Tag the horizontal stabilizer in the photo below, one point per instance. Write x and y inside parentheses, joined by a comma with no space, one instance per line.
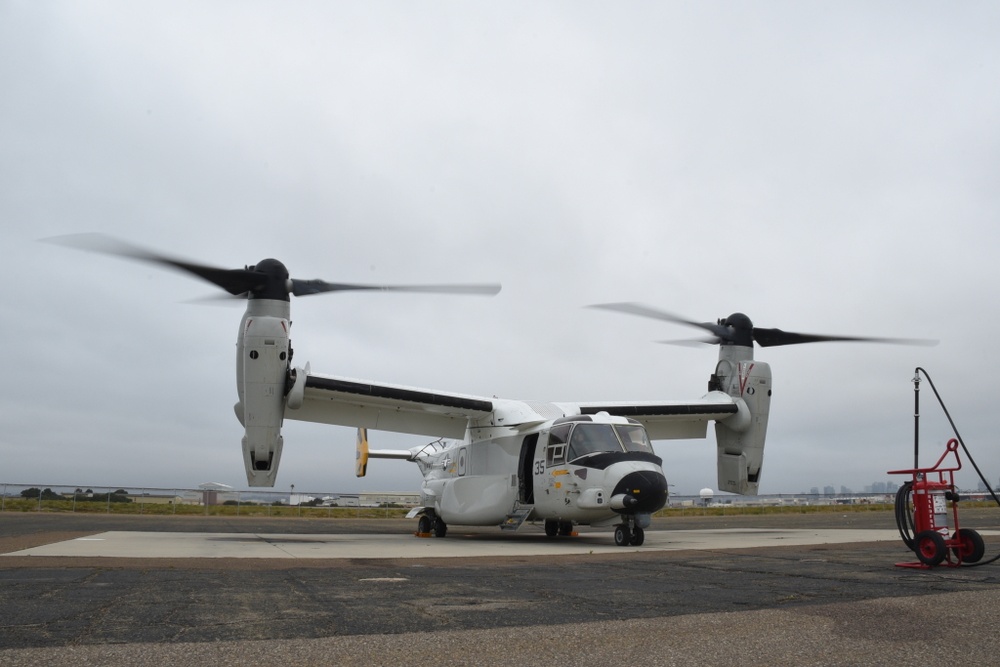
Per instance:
(404,454)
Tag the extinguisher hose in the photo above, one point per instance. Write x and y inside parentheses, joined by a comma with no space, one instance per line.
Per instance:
(904,515)
(958,436)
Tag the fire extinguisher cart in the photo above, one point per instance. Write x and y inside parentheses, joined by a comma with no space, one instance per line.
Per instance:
(929,524)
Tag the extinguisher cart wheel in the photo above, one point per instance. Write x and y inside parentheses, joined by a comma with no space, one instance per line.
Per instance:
(969,546)
(930,547)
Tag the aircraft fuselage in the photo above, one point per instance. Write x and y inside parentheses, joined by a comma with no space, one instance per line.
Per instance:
(587,469)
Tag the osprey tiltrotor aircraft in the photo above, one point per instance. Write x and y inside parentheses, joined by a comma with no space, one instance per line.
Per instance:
(495,461)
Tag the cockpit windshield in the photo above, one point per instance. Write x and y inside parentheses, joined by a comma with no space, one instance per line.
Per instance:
(634,438)
(592,438)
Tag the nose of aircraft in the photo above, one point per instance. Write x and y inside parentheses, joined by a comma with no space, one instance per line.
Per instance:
(645,491)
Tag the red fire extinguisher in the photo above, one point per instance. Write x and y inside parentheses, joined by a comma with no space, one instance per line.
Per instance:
(931,528)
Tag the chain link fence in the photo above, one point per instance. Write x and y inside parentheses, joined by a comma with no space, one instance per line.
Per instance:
(218,500)
(211,500)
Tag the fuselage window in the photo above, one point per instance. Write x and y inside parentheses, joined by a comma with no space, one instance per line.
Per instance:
(555,455)
(555,451)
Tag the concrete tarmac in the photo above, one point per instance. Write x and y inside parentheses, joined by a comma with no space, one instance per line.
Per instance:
(818,589)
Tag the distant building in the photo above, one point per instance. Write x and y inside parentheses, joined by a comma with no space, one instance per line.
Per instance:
(369,499)
(378,499)
(210,492)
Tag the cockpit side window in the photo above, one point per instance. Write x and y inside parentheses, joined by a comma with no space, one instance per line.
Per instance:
(591,438)
(555,451)
(634,437)
(559,434)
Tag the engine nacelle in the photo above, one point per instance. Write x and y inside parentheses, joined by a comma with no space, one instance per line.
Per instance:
(740,438)
(262,369)
(297,392)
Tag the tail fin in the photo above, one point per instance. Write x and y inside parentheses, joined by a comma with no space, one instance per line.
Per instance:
(361,456)
(364,453)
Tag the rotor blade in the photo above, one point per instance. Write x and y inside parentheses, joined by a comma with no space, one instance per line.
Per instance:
(653,313)
(217,300)
(234,281)
(307,287)
(775,337)
(692,342)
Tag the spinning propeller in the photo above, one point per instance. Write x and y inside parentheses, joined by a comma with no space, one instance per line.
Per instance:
(737,329)
(268,279)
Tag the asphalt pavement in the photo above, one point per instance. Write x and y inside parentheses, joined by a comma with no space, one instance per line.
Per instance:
(819,604)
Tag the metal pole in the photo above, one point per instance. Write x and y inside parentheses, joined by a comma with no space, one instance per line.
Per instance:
(916,420)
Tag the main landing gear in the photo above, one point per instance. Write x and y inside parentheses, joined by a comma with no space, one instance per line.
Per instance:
(629,533)
(431,523)
(555,528)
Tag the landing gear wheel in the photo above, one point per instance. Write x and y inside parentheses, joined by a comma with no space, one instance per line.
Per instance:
(551,527)
(424,525)
(930,547)
(970,547)
(623,536)
(440,528)
(638,536)
(565,528)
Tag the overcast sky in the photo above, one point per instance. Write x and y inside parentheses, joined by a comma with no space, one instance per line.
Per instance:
(825,167)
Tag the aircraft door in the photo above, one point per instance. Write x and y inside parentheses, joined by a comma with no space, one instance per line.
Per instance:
(549,468)
(525,470)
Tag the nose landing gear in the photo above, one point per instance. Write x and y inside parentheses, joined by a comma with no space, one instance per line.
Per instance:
(629,532)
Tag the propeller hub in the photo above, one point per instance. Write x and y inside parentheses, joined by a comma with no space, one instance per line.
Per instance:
(739,330)
(274,280)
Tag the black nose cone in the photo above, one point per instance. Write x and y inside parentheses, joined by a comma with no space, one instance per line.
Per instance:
(645,491)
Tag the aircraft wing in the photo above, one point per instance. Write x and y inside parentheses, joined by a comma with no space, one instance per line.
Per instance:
(387,407)
(667,420)
(401,409)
